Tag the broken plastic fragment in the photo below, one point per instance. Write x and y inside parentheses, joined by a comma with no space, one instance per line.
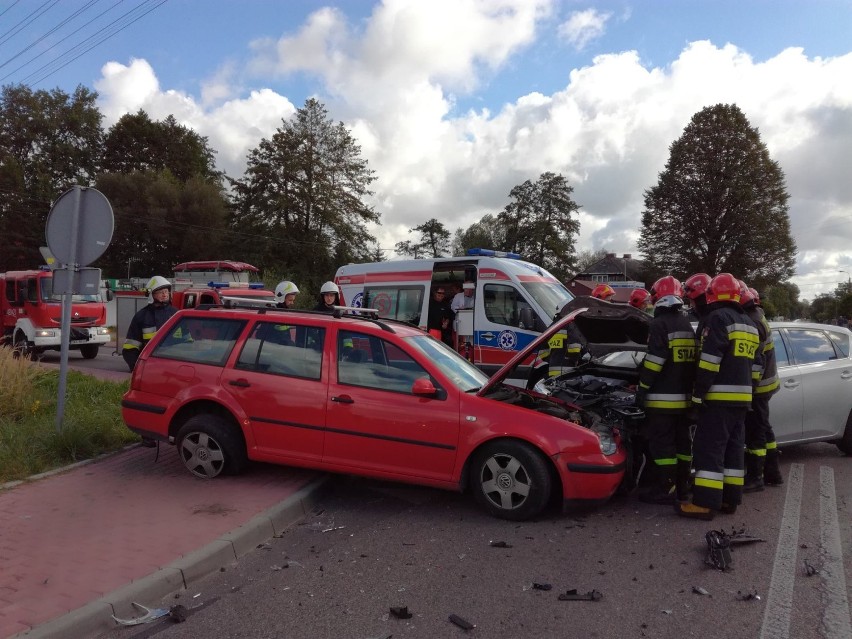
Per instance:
(718,550)
(178,613)
(464,624)
(542,586)
(698,590)
(573,595)
(810,569)
(748,596)
(400,612)
(151,614)
(500,544)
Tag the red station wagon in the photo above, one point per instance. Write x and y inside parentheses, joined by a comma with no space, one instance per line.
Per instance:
(358,395)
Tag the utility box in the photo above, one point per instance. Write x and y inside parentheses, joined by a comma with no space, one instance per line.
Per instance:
(127,304)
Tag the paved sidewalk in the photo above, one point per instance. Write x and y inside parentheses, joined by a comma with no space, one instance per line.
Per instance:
(79,545)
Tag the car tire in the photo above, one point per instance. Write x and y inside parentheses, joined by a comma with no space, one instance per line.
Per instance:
(511,480)
(21,346)
(89,351)
(210,445)
(845,442)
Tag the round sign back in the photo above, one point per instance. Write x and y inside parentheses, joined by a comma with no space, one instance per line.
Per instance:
(79,226)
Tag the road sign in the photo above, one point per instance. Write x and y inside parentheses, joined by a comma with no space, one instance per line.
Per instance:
(79,226)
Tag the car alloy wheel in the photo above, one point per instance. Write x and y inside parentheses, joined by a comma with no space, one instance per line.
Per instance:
(511,480)
(210,445)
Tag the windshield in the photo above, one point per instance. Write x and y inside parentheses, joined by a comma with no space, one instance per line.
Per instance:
(551,296)
(462,373)
(47,294)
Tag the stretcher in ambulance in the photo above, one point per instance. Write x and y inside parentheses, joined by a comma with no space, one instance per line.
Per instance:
(514,300)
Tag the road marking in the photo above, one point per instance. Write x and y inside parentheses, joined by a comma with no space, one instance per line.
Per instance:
(835,616)
(779,601)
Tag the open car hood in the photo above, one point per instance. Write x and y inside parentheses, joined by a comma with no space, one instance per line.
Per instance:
(605,326)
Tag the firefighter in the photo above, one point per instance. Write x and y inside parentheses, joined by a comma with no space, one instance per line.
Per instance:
(285,294)
(641,299)
(761,449)
(603,292)
(665,384)
(695,290)
(722,394)
(329,298)
(149,319)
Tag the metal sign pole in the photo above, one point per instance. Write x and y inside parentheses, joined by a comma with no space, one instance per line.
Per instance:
(67,298)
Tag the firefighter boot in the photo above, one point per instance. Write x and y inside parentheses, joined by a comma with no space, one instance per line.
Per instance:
(661,490)
(754,474)
(772,471)
(683,482)
(691,511)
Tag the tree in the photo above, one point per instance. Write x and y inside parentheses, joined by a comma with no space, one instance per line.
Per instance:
(587,258)
(434,241)
(781,300)
(488,232)
(49,141)
(719,205)
(540,223)
(300,206)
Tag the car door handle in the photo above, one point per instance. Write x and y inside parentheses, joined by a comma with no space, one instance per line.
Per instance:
(791,383)
(343,399)
(242,383)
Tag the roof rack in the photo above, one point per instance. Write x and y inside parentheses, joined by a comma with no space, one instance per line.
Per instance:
(262,307)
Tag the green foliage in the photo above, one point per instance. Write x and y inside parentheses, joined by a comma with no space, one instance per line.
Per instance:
(29,442)
(781,300)
(434,241)
(488,232)
(540,224)
(300,206)
(49,141)
(719,205)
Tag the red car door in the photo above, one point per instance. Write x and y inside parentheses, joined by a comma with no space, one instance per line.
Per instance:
(281,382)
(374,422)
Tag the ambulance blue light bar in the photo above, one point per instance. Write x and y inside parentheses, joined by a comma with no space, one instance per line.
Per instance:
(481,252)
(253,285)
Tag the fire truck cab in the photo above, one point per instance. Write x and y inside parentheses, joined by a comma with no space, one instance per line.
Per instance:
(514,300)
(32,315)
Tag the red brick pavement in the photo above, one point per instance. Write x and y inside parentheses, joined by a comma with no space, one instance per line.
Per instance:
(71,538)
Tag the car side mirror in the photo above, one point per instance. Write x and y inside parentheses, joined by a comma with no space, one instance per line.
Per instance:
(527,319)
(423,387)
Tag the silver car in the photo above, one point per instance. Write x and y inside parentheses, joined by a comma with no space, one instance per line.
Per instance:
(814,402)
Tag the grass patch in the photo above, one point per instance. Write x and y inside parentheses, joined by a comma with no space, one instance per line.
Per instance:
(29,442)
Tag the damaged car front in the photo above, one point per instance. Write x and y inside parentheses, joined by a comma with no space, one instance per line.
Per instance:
(597,395)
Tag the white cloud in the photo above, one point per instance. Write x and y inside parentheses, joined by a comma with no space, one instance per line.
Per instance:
(608,130)
(582,27)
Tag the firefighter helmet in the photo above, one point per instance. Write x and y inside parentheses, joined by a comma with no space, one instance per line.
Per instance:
(745,294)
(696,285)
(329,287)
(156,283)
(639,298)
(755,295)
(667,291)
(723,288)
(284,289)
(603,292)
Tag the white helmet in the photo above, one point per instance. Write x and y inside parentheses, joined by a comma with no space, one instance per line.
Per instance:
(284,289)
(329,287)
(668,301)
(156,283)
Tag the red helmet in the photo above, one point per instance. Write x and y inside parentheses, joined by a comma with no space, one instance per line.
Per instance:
(639,298)
(723,288)
(603,292)
(745,293)
(696,285)
(667,291)
(755,295)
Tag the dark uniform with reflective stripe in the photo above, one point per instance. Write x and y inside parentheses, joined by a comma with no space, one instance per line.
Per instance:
(665,381)
(760,437)
(723,392)
(143,327)
(564,350)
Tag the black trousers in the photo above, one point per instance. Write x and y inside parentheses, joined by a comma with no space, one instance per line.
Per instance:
(668,437)
(718,456)
(758,430)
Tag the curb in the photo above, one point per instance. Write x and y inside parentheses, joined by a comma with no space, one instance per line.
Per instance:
(95,618)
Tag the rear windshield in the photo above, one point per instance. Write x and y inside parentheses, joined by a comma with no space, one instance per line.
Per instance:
(200,340)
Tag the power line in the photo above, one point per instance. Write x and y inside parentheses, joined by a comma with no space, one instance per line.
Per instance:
(2,13)
(26,21)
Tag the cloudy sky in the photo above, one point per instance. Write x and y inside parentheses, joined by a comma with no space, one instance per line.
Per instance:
(454,102)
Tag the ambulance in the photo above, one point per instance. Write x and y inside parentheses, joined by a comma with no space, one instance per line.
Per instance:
(514,300)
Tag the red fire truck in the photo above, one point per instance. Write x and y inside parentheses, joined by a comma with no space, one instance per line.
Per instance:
(32,315)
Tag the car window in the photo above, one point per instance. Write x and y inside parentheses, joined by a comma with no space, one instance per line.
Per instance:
(403,303)
(206,340)
(782,358)
(284,348)
(366,360)
(841,342)
(811,345)
(503,304)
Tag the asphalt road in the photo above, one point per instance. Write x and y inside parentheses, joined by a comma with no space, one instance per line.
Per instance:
(373,546)
(108,364)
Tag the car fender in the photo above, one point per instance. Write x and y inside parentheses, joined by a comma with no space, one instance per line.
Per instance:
(25,325)
(190,397)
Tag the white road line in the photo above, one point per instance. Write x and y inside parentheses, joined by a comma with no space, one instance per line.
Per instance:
(779,601)
(835,616)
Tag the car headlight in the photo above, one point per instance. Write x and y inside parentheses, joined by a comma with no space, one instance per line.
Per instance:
(607,442)
(103,330)
(45,333)
(541,388)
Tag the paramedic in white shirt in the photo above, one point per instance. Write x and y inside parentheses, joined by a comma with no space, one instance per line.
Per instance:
(465,298)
